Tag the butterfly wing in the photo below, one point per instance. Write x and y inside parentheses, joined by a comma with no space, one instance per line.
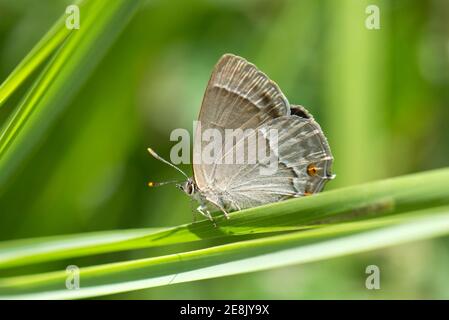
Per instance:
(301,147)
(238,95)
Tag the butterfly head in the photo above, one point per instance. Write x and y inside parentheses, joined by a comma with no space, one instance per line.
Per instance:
(188,187)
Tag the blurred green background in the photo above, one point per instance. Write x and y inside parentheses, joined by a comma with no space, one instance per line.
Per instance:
(381,97)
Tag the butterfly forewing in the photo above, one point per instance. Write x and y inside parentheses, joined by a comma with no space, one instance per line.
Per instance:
(238,95)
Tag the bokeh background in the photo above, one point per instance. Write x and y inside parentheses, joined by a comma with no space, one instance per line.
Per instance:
(381,97)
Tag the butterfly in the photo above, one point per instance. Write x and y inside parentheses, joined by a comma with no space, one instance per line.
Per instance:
(240,96)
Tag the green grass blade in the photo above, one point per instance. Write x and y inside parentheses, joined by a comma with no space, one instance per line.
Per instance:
(63,75)
(41,51)
(27,251)
(376,199)
(49,43)
(235,258)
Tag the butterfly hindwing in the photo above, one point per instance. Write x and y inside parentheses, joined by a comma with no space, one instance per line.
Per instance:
(300,147)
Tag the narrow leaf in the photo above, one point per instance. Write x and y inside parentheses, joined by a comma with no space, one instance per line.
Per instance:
(235,258)
(375,199)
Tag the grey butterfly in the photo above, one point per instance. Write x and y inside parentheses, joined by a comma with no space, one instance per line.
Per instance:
(239,96)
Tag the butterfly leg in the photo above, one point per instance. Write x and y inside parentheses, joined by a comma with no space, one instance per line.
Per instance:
(203,210)
(226,214)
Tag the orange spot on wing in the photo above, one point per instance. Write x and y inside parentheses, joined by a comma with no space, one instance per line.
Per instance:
(312,170)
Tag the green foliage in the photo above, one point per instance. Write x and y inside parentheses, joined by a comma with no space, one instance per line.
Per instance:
(75,53)
(330,224)
(116,88)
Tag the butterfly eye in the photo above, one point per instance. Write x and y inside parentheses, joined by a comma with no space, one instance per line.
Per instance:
(312,170)
(189,188)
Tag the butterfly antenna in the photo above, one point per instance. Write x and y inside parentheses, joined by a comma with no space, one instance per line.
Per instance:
(158,184)
(154,154)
